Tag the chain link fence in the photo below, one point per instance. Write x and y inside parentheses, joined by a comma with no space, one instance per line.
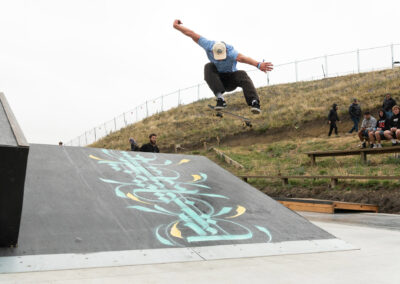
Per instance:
(332,65)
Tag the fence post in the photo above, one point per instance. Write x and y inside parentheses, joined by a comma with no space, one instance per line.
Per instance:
(136,114)
(179,97)
(391,50)
(358,60)
(326,65)
(115,124)
(86,138)
(95,137)
(125,120)
(147,110)
(162,103)
(295,69)
(198,91)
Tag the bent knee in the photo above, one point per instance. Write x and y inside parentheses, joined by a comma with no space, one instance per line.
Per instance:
(242,75)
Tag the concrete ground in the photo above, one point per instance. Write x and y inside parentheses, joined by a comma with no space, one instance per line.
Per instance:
(377,261)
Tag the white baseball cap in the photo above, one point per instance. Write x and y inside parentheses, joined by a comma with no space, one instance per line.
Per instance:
(219,50)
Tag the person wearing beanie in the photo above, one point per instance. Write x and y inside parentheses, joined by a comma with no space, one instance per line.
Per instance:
(134,145)
(332,119)
(355,115)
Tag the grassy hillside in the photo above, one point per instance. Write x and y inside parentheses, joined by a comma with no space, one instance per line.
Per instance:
(283,105)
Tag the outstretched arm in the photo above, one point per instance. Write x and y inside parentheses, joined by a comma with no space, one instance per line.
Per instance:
(263,66)
(187,32)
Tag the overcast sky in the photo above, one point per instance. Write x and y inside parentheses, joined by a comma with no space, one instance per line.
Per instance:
(67,66)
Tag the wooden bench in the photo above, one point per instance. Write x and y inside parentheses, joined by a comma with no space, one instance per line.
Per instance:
(325,206)
(362,152)
(334,179)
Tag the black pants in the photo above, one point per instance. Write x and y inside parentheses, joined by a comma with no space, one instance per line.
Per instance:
(332,126)
(222,82)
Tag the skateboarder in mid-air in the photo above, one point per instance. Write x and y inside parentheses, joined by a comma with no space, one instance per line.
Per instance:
(221,74)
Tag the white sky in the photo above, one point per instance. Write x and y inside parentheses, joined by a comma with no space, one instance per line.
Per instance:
(67,66)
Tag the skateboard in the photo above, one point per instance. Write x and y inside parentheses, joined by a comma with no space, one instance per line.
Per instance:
(220,114)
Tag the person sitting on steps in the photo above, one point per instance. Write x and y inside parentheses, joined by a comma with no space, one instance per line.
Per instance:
(376,136)
(394,126)
(367,125)
(221,73)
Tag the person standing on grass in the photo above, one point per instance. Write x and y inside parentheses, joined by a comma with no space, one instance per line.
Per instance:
(393,133)
(388,104)
(367,125)
(355,115)
(151,146)
(221,73)
(332,119)
(376,136)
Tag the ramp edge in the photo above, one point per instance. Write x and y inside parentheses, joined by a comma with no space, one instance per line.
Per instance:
(16,129)
(30,263)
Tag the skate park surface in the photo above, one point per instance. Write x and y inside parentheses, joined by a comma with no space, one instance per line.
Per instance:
(376,261)
(104,216)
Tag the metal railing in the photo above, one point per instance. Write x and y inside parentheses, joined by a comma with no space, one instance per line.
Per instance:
(332,65)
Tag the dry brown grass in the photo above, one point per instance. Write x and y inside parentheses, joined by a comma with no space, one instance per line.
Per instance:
(282,105)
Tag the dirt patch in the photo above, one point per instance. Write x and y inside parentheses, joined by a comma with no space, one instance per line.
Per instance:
(387,199)
(315,128)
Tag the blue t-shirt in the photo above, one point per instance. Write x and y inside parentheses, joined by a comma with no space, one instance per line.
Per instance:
(227,65)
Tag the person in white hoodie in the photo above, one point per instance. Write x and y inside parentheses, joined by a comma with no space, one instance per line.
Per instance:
(367,125)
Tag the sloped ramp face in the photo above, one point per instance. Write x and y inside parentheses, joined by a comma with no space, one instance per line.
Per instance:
(88,207)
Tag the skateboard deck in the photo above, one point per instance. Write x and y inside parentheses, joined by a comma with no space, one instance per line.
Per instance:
(220,113)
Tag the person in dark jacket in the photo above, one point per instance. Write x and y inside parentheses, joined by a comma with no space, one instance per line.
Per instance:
(393,132)
(134,145)
(388,104)
(332,119)
(151,147)
(382,124)
(355,115)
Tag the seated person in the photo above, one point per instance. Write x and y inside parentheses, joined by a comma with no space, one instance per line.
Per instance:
(393,132)
(376,136)
(152,146)
(367,126)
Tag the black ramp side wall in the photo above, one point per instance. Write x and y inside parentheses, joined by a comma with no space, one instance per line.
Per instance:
(12,176)
(13,161)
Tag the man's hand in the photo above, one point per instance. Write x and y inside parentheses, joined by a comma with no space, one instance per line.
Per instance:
(187,32)
(263,66)
(266,66)
(177,23)
(393,129)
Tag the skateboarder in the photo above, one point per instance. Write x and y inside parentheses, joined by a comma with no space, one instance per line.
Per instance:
(221,73)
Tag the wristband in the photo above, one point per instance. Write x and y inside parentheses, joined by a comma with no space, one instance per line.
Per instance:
(258,65)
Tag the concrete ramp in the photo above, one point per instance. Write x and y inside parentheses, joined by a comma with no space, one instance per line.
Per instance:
(86,207)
